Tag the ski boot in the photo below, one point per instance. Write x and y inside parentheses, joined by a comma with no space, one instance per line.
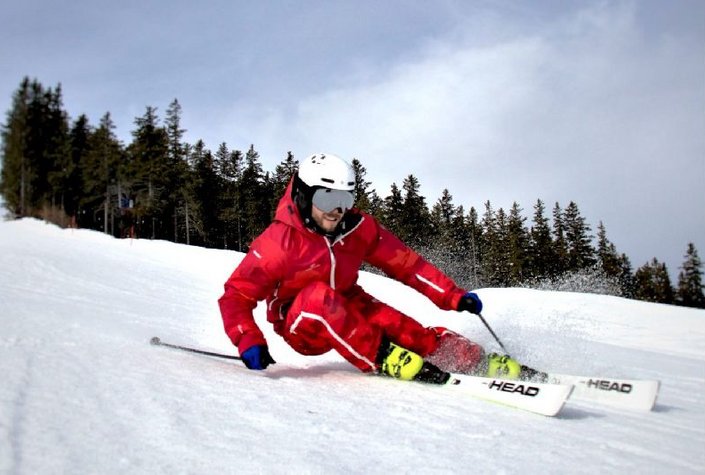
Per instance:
(502,366)
(400,363)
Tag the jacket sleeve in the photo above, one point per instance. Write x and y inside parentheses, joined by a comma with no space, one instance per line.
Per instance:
(252,281)
(401,263)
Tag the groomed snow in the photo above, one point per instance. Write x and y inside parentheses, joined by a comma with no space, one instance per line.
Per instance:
(83,391)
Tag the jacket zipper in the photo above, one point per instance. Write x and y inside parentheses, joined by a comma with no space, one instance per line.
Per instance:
(330,251)
(332,262)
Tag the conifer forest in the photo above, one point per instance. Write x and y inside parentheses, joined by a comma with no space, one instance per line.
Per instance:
(78,174)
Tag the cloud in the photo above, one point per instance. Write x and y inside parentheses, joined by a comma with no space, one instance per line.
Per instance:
(492,100)
(588,109)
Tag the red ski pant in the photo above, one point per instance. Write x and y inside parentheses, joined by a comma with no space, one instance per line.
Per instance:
(321,319)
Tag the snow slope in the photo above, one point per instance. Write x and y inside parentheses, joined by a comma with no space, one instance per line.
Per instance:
(83,392)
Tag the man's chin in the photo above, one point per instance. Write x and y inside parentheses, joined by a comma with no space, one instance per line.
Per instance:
(329,226)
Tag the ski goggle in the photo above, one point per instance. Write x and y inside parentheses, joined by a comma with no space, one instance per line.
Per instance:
(328,200)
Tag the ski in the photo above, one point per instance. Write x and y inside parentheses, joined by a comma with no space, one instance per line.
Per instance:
(634,394)
(546,398)
(541,398)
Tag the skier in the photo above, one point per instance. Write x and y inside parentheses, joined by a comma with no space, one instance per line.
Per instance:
(305,265)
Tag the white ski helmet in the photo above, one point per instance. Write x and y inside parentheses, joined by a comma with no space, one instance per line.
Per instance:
(326,181)
(327,171)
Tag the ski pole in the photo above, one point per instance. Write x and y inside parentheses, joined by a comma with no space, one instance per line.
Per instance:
(156,341)
(493,333)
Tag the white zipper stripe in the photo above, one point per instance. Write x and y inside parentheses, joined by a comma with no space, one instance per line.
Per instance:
(430,284)
(332,263)
(337,337)
(330,251)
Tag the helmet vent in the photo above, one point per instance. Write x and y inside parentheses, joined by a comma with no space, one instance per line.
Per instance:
(327,180)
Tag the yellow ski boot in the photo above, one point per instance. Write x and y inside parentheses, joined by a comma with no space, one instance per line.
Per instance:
(400,363)
(502,366)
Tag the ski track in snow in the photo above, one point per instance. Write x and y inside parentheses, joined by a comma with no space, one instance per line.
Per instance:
(84,392)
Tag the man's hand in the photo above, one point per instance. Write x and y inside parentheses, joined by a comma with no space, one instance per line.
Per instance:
(470,303)
(257,357)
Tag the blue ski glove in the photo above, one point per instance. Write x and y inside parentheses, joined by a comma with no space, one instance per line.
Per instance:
(257,357)
(470,303)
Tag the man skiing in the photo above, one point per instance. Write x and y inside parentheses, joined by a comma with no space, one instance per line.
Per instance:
(305,265)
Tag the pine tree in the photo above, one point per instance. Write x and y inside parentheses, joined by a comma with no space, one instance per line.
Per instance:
(391,215)
(283,173)
(232,214)
(255,197)
(227,216)
(221,159)
(442,219)
(502,257)
(474,249)
(442,248)
(560,245)
(38,165)
(58,158)
(663,284)
(149,175)
(363,199)
(626,277)
(100,169)
(36,152)
(690,284)
(14,179)
(182,204)
(607,257)
(464,234)
(652,283)
(376,206)
(460,230)
(207,192)
(175,133)
(487,245)
(231,168)
(578,240)
(541,249)
(517,245)
(415,219)
(79,139)
(495,250)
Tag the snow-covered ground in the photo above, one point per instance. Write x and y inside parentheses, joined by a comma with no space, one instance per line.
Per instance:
(82,391)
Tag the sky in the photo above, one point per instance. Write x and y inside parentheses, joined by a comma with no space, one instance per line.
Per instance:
(601,103)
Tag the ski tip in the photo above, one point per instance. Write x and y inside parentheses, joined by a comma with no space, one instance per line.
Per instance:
(155,340)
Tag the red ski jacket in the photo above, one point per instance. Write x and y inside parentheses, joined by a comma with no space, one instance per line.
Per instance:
(287,257)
